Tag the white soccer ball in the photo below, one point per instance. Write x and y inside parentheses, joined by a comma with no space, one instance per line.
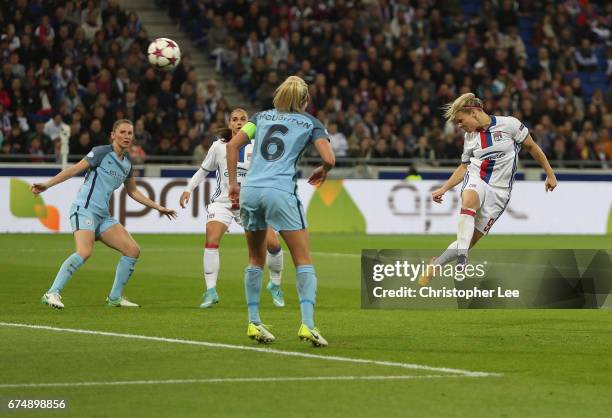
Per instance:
(164,54)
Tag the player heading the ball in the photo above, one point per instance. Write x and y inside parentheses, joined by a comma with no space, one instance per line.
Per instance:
(488,165)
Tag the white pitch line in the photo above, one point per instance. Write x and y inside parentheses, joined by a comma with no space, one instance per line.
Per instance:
(230,380)
(258,349)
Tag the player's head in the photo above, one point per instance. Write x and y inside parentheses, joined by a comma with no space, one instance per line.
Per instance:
(123,133)
(238,118)
(466,111)
(291,95)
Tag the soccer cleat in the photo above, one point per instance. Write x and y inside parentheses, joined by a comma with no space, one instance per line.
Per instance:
(53,300)
(121,302)
(277,294)
(260,333)
(210,298)
(429,273)
(312,335)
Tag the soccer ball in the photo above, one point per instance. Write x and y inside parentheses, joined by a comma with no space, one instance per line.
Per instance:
(164,54)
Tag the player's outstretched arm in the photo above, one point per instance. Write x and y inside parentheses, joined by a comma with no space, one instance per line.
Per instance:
(538,155)
(326,152)
(238,141)
(453,180)
(195,180)
(134,193)
(62,176)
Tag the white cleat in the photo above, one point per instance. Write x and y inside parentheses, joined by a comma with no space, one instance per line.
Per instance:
(53,300)
(260,333)
(121,302)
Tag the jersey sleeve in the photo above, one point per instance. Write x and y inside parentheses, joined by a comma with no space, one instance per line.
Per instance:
(210,162)
(518,130)
(318,130)
(468,151)
(97,154)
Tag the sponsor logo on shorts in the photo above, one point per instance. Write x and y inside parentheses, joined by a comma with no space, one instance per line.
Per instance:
(472,185)
(88,222)
(211,215)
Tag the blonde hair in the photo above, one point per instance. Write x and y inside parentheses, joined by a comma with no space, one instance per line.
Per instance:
(239,109)
(119,122)
(463,103)
(291,95)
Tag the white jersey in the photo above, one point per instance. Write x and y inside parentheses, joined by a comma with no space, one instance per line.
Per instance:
(493,153)
(216,160)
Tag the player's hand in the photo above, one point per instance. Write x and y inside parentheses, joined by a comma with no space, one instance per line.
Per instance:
(436,195)
(170,213)
(234,193)
(317,177)
(184,199)
(39,188)
(550,183)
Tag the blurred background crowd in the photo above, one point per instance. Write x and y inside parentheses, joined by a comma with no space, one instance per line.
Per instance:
(378,71)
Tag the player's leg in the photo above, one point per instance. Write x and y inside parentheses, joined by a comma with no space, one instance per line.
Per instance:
(115,236)
(254,223)
(471,197)
(274,259)
(306,282)
(215,229)
(253,277)
(470,203)
(83,226)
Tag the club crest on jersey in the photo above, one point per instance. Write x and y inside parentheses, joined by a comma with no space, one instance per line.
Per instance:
(497,136)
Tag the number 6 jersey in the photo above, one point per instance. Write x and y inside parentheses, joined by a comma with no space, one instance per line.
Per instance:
(279,140)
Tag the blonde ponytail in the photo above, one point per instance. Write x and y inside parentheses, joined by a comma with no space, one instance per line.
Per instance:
(464,102)
(291,95)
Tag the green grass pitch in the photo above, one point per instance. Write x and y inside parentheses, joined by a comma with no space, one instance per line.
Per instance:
(549,363)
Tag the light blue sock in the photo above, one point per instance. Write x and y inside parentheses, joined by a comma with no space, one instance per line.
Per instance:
(70,265)
(125,268)
(306,283)
(252,287)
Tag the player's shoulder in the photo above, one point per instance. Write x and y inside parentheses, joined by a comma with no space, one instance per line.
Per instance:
(506,121)
(100,150)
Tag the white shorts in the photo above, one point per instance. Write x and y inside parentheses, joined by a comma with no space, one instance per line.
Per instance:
(493,201)
(222,212)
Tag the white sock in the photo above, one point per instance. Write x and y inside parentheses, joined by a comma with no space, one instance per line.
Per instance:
(275,265)
(449,255)
(211,267)
(465,230)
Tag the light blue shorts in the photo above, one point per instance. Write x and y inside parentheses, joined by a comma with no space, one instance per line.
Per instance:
(261,207)
(85,219)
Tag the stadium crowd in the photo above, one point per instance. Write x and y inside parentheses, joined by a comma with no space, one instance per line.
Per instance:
(379,72)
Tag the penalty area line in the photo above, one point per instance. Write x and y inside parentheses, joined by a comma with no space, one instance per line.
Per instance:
(410,366)
(231,380)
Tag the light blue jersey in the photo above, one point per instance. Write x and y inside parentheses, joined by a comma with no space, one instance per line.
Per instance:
(107,173)
(280,139)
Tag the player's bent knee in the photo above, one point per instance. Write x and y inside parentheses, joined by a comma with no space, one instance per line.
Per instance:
(133,251)
(85,254)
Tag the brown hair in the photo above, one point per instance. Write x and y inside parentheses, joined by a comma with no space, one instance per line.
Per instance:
(120,121)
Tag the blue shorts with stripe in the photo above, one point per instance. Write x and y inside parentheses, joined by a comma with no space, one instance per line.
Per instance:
(261,207)
(85,219)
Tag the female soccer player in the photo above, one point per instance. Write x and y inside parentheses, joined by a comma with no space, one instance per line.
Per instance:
(109,167)
(221,212)
(269,197)
(488,164)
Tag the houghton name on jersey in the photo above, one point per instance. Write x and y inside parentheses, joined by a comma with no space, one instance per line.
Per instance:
(280,139)
(216,160)
(492,154)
